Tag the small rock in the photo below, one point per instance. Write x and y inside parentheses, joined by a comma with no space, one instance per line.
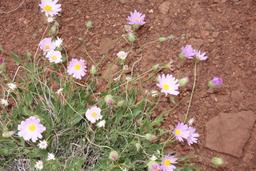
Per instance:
(164,7)
(229,132)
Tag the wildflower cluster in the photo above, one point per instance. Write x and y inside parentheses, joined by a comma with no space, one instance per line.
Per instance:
(107,130)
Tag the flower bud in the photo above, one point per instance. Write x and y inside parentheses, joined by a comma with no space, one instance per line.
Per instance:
(138,146)
(183,81)
(93,70)
(162,39)
(113,155)
(215,82)
(217,161)
(89,24)
(8,134)
(155,67)
(109,99)
(131,37)
(150,137)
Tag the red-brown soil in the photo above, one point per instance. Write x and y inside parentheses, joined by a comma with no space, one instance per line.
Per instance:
(225,29)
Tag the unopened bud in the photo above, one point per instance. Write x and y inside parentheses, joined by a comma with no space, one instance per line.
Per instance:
(150,137)
(155,67)
(7,134)
(89,24)
(217,161)
(93,70)
(113,155)
(109,99)
(131,37)
(162,39)
(183,81)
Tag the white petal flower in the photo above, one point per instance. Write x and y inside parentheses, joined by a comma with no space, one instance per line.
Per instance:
(54,57)
(12,86)
(4,102)
(201,55)
(50,19)
(93,114)
(58,42)
(50,7)
(58,92)
(42,144)
(51,156)
(122,55)
(168,84)
(153,158)
(39,165)
(101,124)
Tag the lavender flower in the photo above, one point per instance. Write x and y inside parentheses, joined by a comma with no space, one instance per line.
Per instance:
(181,132)
(193,136)
(188,52)
(136,18)
(215,82)
(167,163)
(156,167)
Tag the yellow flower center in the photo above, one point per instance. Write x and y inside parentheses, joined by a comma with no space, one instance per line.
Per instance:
(31,127)
(54,58)
(77,67)
(167,162)
(177,131)
(47,46)
(166,87)
(47,8)
(94,115)
(137,19)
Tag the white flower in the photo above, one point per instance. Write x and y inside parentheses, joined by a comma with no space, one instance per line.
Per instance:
(54,56)
(59,91)
(42,144)
(12,86)
(39,165)
(58,42)
(201,55)
(122,55)
(4,102)
(153,158)
(93,114)
(101,124)
(50,7)
(191,121)
(168,84)
(51,156)
(50,19)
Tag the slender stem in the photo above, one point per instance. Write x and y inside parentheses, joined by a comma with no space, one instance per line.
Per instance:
(192,93)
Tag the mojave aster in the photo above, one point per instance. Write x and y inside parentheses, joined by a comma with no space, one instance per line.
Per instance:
(31,129)
(77,68)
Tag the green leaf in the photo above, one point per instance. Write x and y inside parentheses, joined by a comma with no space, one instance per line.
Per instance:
(75,164)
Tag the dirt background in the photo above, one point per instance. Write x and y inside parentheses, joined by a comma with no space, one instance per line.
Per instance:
(225,29)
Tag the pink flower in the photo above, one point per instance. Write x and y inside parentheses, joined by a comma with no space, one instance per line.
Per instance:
(50,7)
(54,57)
(193,136)
(93,114)
(168,84)
(201,56)
(47,45)
(1,60)
(181,132)
(136,18)
(77,68)
(31,128)
(168,163)
(156,167)
(188,52)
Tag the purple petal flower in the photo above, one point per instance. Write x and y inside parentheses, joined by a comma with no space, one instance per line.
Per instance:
(181,132)
(77,68)
(217,81)
(201,56)
(193,136)
(188,52)
(136,18)
(156,167)
(168,163)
